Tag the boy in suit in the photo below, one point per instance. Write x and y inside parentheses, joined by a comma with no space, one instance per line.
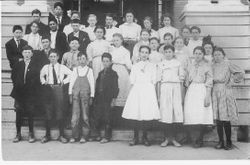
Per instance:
(105,93)
(58,39)
(81,35)
(25,80)
(15,45)
(53,76)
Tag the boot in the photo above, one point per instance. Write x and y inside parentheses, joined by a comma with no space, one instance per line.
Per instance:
(145,139)
(220,145)
(31,137)
(136,138)
(17,138)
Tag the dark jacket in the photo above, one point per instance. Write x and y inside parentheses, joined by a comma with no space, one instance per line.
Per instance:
(65,21)
(22,90)
(41,58)
(106,86)
(62,45)
(43,29)
(83,40)
(13,52)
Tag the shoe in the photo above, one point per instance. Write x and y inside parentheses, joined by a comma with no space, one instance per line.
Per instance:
(198,144)
(31,138)
(229,146)
(98,138)
(220,145)
(45,139)
(165,143)
(83,140)
(72,140)
(146,142)
(17,138)
(62,139)
(133,142)
(104,140)
(176,144)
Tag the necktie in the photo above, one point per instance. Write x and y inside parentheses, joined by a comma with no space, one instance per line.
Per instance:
(25,71)
(54,75)
(18,43)
(59,21)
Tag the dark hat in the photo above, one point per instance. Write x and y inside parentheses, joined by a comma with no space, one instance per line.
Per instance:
(60,4)
(75,21)
(53,19)
(17,27)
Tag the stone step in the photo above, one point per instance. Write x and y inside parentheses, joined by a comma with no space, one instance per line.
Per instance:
(8,132)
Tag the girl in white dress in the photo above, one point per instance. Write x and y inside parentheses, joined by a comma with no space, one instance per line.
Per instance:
(166,21)
(198,111)
(95,50)
(141,105)
(122,65)
(168,40)
(155,57)
(34,39)
(147,22)
(144,40)
(170,78)
(92,20)
(209,47)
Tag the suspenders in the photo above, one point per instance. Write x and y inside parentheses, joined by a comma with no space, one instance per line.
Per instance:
(84,75)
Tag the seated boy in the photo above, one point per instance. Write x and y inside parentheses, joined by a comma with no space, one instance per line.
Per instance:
(81,93)
(105,93)
(25,80)
(53,76)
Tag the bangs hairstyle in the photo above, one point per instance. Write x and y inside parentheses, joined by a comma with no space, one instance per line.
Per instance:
(107,55)
(199,48)
(219,49)
(34,22)
(53,51)
(17,27)
(80,54)
(145,30)
(154,38)
(92,15)
(177,38)
(145,46)
(195,28)
(100,27)
(169,47)
(168,34)
(27,47)
(166,15)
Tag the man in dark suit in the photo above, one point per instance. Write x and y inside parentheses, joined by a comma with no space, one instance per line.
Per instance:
(59,15)
(15,45)
(43,29)
(58,39)
(81,35)
(25,82)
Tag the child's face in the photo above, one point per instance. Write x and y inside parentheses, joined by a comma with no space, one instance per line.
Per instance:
(166,21)
(185,33)
(92,21)
(179,44)
(106,62)
(144,53)
(99,33)
(198,55)
(154,44)
(34,28)
(53,57)
(218,56)
(53,26)
(58,11)
(147,24)
(74,45)
(195,34)
(27,54)
(18,34)
(169,54)
(109,21)
(82,60)
(75,26)
(208,49)
(117,41)
(36,17)
(168,40)
(46,43)
(145,36)
(129,17)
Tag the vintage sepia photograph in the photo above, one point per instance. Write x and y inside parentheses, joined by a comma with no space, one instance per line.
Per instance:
(88,80)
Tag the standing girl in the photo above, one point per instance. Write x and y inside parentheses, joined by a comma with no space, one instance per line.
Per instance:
(197,105)
(170,79)
(130,31)
(122,65)
(155,57)
(95,50)
(209,47)
(166,21)
(141,105)
(144,40)
(224,104)
(147,22)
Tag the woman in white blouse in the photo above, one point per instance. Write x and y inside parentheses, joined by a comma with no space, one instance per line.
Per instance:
(34,39)
(130,31)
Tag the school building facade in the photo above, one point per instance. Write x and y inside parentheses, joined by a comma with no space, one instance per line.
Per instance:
(227,21)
